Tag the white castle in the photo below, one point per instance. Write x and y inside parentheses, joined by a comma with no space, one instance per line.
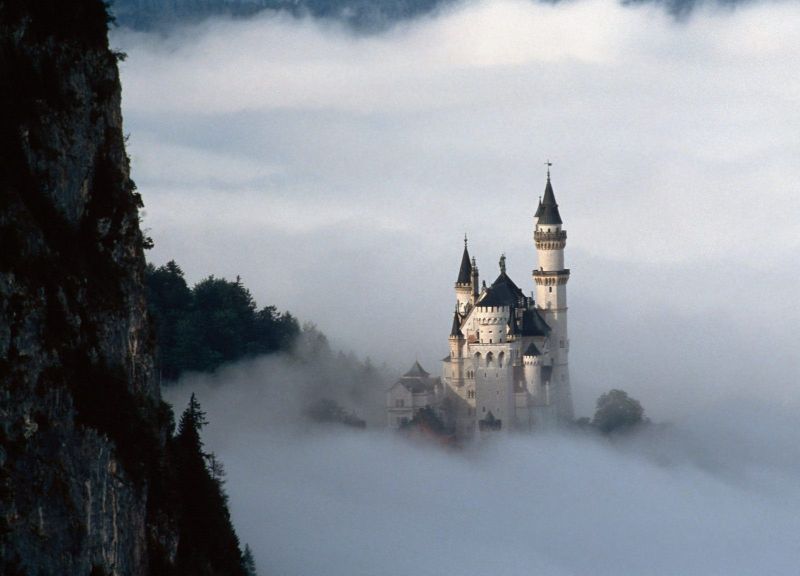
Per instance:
(508,364)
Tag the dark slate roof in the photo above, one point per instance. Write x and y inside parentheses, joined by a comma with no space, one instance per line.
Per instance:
(547,212)
(415,385)
(503,292)
(456,329)
(513,328)
(532,350)
(416,372)
(533,324)
(465,272)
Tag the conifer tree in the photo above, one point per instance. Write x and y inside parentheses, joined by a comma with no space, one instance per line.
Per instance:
(249,562)
(207,541)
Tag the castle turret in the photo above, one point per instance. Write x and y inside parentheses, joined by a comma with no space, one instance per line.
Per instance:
(456,337)
(475,283)
(464,288)
(551,293)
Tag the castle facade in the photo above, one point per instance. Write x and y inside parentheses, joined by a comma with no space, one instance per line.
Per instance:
(508,361)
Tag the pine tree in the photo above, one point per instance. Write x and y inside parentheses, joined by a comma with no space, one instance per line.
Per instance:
(248,562)
(207,541)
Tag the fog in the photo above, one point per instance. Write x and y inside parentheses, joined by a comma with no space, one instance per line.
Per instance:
(337,175)
(712,493)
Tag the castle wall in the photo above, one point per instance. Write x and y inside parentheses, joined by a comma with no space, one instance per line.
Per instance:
(494,392)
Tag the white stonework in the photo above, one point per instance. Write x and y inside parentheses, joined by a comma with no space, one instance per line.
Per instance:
(508,364)
(414,390)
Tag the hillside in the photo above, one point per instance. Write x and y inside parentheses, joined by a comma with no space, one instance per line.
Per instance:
(92,479)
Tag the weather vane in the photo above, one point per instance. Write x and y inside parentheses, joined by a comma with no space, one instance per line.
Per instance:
(548,164)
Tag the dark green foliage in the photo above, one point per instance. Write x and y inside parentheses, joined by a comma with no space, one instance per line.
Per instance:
(364,15)
(328,411)
(208,543)
(248,562)
(616,412)
(427,420)
(215,322)
(169,301)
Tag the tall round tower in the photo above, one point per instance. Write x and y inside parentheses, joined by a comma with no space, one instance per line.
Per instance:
(551,295)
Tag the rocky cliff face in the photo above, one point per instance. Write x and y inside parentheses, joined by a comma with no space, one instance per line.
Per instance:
(82,427)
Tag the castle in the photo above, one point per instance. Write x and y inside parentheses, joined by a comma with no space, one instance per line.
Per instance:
(508,363)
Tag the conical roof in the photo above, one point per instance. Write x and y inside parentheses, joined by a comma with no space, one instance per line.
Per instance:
(547,212)
(532,350)
(465,271)
(456,329)
(503,292)
(416,371)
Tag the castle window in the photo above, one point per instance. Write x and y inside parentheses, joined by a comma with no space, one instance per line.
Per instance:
(551,289)
(500,359)
(399,403)
(471,394)
(489,358)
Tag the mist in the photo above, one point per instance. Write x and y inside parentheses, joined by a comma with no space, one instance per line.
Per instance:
(337,174)
(712,493)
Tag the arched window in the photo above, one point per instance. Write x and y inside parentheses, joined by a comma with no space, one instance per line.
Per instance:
(489,359)
(500,358)
(477,359)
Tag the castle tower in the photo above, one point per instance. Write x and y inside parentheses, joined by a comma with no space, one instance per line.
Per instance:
(551,295)
(464,287)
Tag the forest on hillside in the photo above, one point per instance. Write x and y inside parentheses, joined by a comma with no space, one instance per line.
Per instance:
(212,323)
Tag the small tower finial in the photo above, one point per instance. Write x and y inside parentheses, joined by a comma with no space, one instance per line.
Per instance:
(465,239)
(502,263)
(548,164)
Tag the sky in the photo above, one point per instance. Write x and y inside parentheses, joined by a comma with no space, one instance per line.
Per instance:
(337,174)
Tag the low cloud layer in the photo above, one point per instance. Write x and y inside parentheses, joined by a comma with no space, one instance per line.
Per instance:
(337,175)
(713,493)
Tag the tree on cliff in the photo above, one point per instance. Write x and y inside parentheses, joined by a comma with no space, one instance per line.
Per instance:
(616,411)
(215,322)
(208,543)
(249,562)
(169,300)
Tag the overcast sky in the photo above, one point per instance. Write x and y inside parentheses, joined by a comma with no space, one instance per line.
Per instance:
(337,174)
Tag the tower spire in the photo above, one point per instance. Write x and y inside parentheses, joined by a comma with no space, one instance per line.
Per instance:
(547,212)
(465,270)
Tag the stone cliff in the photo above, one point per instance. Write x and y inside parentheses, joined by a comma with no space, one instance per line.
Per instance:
(84,437)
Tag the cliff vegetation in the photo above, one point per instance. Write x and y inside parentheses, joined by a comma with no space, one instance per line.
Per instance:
(92,479)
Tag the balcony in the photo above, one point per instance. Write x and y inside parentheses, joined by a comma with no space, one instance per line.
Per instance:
(541,236)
